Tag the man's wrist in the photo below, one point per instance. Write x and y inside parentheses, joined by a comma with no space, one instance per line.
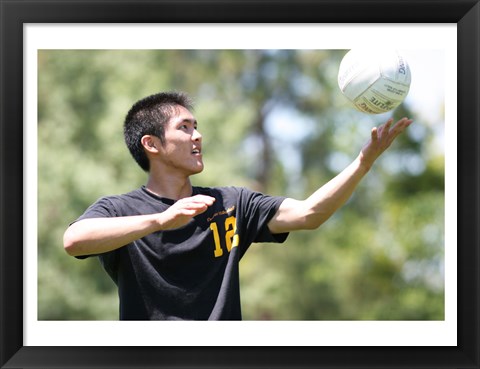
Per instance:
(363,164)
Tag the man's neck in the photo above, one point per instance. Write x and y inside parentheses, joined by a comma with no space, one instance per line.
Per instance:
(171,188)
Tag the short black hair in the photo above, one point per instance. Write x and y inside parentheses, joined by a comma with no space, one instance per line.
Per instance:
(148,116)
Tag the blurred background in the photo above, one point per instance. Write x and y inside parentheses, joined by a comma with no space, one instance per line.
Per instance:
(274,121)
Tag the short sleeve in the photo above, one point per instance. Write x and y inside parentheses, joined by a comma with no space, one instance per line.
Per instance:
(258,210)
(102,208)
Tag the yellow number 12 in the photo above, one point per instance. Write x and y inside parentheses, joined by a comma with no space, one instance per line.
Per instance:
(231,238)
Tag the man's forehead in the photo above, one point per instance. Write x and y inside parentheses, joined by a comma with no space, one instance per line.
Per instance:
(182,114)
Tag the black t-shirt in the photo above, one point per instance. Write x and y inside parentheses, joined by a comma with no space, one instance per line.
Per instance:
(189,273)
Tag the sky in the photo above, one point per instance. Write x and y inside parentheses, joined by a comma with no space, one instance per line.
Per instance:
(427,89)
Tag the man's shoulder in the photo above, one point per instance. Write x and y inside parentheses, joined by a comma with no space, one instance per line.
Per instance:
(133,202)
(123,197)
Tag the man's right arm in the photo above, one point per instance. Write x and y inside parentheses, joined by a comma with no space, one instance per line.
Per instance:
(99,235)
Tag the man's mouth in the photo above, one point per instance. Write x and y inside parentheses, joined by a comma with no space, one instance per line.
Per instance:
(196,151)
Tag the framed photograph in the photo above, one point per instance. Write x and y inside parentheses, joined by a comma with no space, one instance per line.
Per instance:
(35,337)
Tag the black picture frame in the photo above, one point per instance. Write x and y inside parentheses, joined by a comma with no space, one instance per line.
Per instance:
(14,14)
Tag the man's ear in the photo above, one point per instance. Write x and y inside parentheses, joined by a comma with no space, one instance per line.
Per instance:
(150,143)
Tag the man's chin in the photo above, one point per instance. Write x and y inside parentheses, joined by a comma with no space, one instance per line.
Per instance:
(199,169)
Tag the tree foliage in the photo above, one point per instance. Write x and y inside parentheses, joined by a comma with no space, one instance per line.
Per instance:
(274,121)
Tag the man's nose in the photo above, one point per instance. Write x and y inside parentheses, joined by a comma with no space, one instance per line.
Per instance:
(197,136)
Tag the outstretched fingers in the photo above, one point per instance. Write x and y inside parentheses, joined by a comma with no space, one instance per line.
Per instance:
(374,134)
(181,212)
(194,205)
(199,199)
(389,133)
(381,139)
(399,127)
(384,129)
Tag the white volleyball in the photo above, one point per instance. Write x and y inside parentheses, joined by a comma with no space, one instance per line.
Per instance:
(375,81)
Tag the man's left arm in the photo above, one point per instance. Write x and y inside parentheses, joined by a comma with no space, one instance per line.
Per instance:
(316,209)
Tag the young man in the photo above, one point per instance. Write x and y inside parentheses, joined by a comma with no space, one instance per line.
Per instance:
(174,249)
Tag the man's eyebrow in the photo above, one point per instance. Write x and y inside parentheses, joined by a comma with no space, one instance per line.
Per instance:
(188,120)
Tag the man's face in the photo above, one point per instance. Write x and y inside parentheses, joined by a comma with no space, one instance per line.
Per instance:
(182,150)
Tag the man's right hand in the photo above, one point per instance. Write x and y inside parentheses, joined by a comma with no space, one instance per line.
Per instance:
(182,211)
